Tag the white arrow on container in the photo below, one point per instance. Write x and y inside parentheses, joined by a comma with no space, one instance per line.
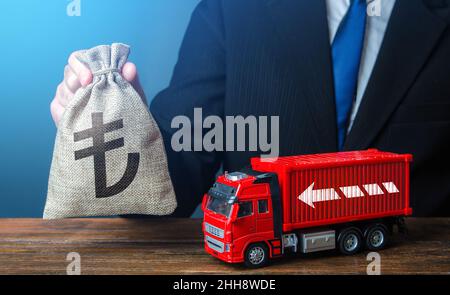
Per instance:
(311,196)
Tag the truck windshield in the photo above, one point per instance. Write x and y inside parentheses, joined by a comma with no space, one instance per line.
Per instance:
(219,206)
(221,199)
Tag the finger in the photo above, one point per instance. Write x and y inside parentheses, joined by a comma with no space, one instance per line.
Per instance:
(129,72)
(57,111)
(81,71)
(63,94)
(71,80)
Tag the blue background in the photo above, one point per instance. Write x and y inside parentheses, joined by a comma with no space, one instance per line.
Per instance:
(36,38)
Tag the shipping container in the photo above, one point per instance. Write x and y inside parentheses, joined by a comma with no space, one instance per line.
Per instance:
(324,189)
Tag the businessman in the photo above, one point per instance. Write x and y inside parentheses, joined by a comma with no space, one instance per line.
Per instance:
(337,77)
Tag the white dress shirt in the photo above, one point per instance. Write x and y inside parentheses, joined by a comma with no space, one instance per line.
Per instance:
(375,29)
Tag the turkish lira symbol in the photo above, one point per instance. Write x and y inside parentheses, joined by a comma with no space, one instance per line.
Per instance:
(98,151)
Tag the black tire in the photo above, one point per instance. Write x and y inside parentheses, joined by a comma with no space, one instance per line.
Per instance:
(376,237)
(257,255)
(350,240)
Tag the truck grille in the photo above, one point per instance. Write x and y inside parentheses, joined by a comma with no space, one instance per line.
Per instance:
(215,231)
(215,244)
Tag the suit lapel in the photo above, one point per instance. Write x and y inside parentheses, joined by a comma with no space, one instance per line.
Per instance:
(303,30)
(411,35)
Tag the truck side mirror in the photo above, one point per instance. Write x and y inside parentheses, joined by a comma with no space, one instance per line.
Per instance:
(204,201)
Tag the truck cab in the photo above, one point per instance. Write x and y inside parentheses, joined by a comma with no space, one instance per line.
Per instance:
(238,212)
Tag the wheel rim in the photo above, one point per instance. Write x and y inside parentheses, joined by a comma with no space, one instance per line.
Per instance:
(376,238)
(351,242)
(256,255)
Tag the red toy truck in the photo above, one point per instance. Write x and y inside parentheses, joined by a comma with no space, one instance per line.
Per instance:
(310,203)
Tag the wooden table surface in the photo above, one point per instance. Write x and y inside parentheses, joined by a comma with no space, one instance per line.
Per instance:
(174,246)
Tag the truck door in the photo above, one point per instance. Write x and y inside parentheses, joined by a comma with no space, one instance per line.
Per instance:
(245,222)
(264,221)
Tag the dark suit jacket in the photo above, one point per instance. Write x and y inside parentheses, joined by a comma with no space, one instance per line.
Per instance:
(272,57)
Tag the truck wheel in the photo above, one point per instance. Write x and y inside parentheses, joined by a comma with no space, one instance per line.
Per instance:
(256,255)
(376,237)
(350,241)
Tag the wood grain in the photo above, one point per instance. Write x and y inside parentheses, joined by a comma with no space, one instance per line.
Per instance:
(174,246)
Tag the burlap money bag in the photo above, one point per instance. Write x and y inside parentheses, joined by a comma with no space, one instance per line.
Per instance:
(109,157)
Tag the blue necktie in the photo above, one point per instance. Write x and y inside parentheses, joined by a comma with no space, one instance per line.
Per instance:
(346,52)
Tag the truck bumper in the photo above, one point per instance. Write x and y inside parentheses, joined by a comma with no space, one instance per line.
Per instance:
(227,257)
